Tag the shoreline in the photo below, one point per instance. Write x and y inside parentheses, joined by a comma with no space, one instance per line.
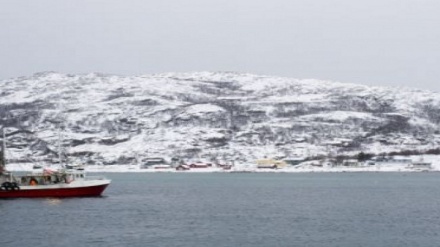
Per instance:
(131,169)
(434,160)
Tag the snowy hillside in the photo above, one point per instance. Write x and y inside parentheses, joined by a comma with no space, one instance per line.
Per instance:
(112,119)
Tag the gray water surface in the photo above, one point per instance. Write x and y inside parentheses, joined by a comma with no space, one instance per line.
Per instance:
(241,209)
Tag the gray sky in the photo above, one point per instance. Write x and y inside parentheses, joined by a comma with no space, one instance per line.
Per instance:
(373,42)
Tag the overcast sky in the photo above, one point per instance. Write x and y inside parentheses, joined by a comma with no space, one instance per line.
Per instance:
(373,42)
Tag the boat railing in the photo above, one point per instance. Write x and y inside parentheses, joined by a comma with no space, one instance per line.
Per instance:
(95,178)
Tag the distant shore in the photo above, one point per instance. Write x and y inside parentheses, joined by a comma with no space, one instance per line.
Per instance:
(248,168)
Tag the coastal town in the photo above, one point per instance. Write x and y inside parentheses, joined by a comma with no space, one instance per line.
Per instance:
(425,163)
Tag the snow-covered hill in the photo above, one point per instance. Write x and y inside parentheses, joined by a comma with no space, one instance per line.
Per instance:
(227,116)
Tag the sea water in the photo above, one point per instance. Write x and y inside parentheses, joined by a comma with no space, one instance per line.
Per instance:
(235,209)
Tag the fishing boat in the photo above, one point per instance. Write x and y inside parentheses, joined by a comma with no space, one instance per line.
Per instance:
(67,181)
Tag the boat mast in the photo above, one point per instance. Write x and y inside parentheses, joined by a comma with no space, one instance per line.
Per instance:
(60,159)
(3,151)
(60,120)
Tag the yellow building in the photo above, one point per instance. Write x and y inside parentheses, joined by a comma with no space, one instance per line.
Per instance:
(271,163)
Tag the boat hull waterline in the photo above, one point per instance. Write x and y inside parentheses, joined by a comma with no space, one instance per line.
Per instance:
(64,190)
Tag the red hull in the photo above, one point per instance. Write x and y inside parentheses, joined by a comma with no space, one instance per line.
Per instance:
(55,192)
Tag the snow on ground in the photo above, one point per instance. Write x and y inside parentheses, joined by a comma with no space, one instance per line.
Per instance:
(339,116)
(200,110)
(299,98)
